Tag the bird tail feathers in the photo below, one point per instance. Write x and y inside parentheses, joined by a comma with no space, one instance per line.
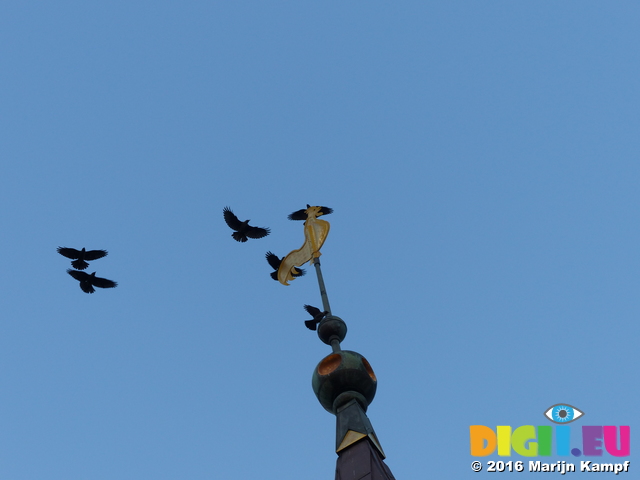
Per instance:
(240,237)
(79,264)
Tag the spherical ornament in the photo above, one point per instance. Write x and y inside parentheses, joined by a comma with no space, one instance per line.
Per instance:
(341,377)
(332,327)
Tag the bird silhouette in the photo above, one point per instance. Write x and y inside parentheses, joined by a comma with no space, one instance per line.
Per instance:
(275,262)
(87,282)
(242,229)
(302,214)
(79,256)
(317,317)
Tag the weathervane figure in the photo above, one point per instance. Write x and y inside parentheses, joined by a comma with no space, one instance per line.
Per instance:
(315,233)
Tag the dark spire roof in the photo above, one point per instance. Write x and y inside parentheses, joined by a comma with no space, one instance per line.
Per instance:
(360,455)
(361,460)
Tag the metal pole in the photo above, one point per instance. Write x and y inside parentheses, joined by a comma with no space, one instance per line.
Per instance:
(323,290)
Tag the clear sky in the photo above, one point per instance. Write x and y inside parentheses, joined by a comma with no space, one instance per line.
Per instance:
(482,161)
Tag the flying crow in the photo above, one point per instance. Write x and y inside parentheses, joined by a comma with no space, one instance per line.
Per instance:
(79,256)
(242,229)
(317,316)
(275,262)
(87,282)
(302,214)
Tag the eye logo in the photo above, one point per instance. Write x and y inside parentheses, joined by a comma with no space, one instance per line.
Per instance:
(563,413)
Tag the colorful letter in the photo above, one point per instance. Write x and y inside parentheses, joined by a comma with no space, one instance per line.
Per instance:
(592,441)
(520,437)
(563,438)
(544,440)
(504,441)
(611,441)
(479,434)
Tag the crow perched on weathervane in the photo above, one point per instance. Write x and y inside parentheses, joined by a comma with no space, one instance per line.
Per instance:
(302,214)
(275,262)
(79,256)
(87,282)
(242,229)
(317,317)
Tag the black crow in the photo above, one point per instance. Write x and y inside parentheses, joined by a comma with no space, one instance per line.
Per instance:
(302,214)
(242,229)
(317,316)
(80,256)
(87,282)
(275,262)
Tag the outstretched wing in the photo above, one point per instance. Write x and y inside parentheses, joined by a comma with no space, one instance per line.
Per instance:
(71,253)
(273,260)
(231,219)
(95,254)
(103,282)
(298,215)
(80,276)
(256,232)
(313,311)
(297,272)
(326,210)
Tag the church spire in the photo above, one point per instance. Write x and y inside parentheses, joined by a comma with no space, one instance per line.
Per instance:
(343,381)
(345,385)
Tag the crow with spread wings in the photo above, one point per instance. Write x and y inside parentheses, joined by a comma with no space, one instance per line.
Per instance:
(303,213)
(275,262)
(317,317)
(87,282)
(242,229)
(79,256)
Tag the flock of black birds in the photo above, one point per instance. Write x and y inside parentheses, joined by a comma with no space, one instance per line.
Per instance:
(243,231)
(80,257)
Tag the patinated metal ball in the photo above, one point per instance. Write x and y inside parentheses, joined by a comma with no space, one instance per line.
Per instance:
(341,377)
(332,327)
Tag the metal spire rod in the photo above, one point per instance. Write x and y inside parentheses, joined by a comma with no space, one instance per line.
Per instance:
(323,290)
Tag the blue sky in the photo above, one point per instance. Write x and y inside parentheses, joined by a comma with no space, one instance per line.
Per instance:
(481,159)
